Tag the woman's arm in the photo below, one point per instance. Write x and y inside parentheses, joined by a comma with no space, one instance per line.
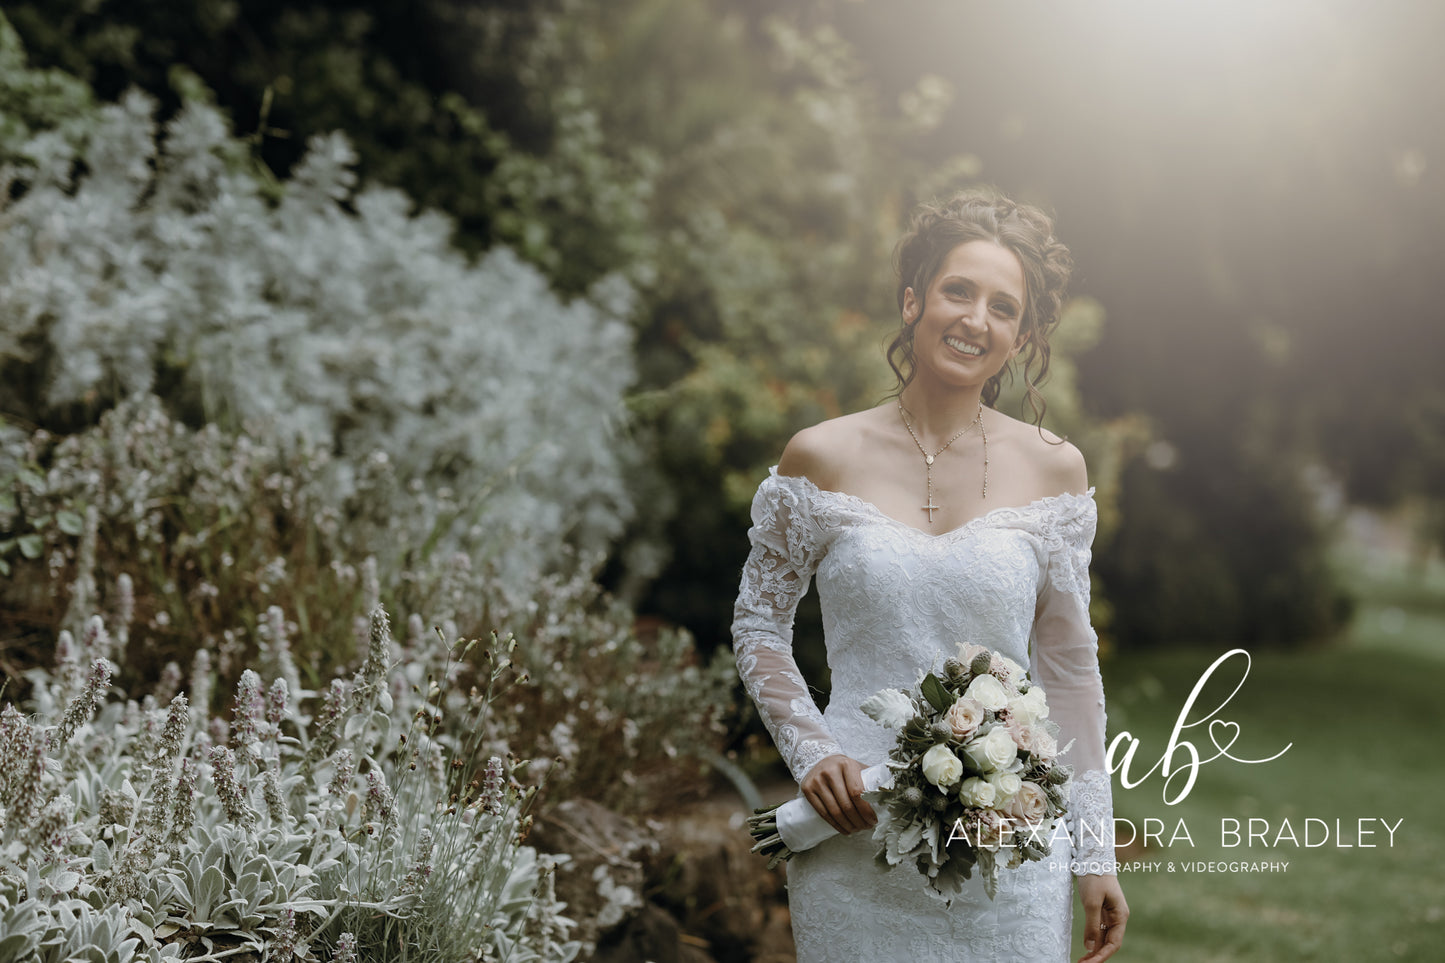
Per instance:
(786,547)
(1066,663)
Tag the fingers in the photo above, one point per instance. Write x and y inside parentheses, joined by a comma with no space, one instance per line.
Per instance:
(1115,918)
(836,802)
(1092,907)
(834,788)
(854,782)
(1106,943)
(1105,916)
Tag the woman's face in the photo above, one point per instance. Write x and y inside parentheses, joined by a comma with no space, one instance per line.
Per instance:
(969,327)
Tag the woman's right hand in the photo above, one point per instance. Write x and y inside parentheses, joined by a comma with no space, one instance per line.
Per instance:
(834,787)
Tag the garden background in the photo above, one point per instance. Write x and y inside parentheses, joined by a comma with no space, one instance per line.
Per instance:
(483,320)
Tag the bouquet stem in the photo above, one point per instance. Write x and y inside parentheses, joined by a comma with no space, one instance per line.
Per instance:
(792,827)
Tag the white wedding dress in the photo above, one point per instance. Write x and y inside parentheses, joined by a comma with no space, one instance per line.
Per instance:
(896,602)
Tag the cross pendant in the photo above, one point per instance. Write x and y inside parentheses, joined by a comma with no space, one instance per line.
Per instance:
(930,508)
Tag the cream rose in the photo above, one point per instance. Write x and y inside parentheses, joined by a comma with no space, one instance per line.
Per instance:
(941,767)
(1029,708)
(977,792)
(964,717)
(996,750)
(1023,735)
(1046,747)
(1006,784)
(987,692)
(1029,803)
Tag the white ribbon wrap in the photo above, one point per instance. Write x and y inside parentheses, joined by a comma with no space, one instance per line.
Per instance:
(802,828)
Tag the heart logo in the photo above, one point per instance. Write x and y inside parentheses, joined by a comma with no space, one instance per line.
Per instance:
(1226,726)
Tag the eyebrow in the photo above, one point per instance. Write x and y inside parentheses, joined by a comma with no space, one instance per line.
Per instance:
(968,280)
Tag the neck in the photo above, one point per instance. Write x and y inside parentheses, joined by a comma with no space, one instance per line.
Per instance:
(937,415)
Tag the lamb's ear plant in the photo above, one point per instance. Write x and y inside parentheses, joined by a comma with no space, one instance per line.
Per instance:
(130,833)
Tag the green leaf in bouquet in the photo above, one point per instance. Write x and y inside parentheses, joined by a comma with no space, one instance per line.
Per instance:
(910,836)
(935,693)
(947,878)
(989,867)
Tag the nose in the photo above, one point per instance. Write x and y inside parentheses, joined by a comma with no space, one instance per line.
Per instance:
(973,315)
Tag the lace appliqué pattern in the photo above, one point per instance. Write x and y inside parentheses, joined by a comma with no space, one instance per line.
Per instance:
(896,601)
(784,554)
(1091,810)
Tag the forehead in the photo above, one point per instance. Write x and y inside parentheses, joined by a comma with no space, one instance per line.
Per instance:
(985,263)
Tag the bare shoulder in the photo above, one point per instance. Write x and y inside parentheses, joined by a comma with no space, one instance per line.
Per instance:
(1056,465)
(821,452)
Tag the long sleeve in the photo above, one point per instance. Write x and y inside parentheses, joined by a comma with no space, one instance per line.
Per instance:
(786,545)
(1066,663)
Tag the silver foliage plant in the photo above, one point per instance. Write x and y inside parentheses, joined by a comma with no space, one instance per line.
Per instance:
(333,314)
(352,826)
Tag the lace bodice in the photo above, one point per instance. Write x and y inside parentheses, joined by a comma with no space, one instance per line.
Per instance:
(897,601)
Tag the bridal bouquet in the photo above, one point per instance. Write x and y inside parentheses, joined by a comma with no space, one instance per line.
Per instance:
(970,782)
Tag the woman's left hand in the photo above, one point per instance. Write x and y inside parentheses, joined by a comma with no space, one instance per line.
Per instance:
(1105,914)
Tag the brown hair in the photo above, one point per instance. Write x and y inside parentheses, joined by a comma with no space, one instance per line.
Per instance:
(980,215)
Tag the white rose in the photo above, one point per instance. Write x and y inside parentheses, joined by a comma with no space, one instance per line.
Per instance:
(987,692)
(889,707)
(941,767)
(996,750)
(1045,745)
(964,716)
(1030,707)
(977,792)
(1006,784)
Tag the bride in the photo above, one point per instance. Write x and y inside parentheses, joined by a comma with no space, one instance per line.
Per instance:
(929,521)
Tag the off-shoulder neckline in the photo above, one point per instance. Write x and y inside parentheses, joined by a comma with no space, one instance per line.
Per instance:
(1047,502)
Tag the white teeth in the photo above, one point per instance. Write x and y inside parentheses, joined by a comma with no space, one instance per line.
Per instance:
(963,346)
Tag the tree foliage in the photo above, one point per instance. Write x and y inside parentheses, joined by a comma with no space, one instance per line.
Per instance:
(745,169)
(140,261)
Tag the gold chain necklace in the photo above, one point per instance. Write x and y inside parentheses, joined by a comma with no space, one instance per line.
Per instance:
(930,508)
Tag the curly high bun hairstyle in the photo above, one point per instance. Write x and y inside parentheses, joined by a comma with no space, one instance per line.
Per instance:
(980,215)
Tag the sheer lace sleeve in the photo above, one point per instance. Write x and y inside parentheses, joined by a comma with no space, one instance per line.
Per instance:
(786,547)
(1066,663)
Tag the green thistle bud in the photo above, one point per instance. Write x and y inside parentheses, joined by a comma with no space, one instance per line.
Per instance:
(912,797)
(942,731)
(1060,775)
(955,670)
(938,802)
(980,663)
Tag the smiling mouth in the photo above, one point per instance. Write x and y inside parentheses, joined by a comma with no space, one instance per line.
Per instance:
(963,347)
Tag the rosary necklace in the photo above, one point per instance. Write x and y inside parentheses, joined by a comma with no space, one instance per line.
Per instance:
(930,508)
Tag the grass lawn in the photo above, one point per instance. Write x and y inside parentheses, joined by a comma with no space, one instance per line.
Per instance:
(1365,717)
